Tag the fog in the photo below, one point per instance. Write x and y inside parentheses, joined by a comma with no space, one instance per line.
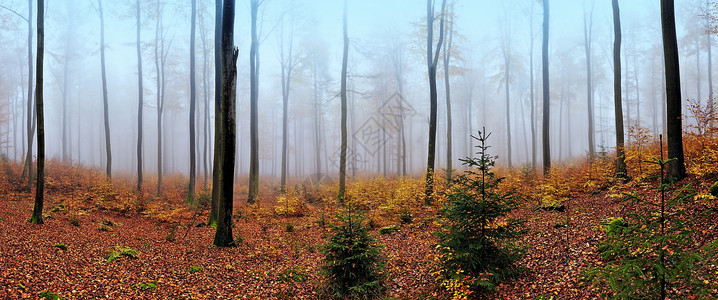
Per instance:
(387,68)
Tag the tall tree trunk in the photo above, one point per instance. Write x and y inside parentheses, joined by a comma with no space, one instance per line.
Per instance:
(447,88)
(140,102)
(253,102)
(64,107)
(192,107)
(507,84)
(218,73)
(343,94)
(709,42)
(40,189)
(27,168)
(587,34)
(205,96)
(108,147)
(676,169)
(431,61)
(618,108)
(546,94)
(317,122)
(223,236)
(158,52)
(532,90)
(287,64)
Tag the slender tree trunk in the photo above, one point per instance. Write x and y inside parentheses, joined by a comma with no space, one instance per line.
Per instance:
(192,107)
(676,169)
(546,94)
(447,88)
(205,96)
(40,190)
(253,115)
(223,236)
(431,61)
(343,94)
(709,44)
(108,147)
(587,34)
(507,84)
(64,109)
(218,78)
(317,122)
(27,168)
(140,102)
(618,108)
(287,64)
(532,90)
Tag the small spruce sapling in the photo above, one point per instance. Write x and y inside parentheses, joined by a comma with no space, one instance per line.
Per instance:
(651,253)
(478,240)
(353,264)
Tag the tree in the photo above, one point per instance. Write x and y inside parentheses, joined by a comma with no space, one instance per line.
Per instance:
(253,102)
(287,62)
(506,53)
(618,108)
(192,104)
(108,147)
(161,52)
(531,87)
(343,94)
(40,189)
(140,101)
(587,34)
(546,93)
(676,169)
(447,87)
(431,61)
(216,165)
(223,235)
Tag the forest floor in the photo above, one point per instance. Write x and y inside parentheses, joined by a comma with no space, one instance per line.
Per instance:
(166,254)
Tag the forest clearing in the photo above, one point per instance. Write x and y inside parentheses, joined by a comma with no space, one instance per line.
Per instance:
(280,237)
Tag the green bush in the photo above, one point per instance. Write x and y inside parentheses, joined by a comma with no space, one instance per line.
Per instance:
(126,251)
(292,273)
(477,240)
(651,254)
(145,286)
(352,262)
(49,296)
(61,246)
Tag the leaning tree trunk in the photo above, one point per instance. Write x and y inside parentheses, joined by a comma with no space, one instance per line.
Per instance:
(40,190)
(618,108)
(676,169)
(546,94)
(223,236)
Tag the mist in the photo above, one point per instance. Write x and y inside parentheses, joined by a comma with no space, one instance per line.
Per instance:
(387,81)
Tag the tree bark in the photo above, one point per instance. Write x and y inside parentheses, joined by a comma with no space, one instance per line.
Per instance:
(431,61)
(676,169)
(587,34)
(140,102)
(216,164)
(447,88)
(253,103)
(531,87)
(618,108)
(546,94)
(192,107)
(343,94)
(27,168)
(108,147)
(40,189)
(223,236)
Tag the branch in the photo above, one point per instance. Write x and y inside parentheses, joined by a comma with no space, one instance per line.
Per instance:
(15,12)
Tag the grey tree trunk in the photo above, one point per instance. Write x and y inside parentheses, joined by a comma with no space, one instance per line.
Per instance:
(618,108)
(192,107)
(507,84)
(253,103)
(223,235)
(40,189)
(287,63)
(216,164)
(140,101)
(343,95)
(27,168)
(587,34)
(676,169)
(431,61)
(546,94)
(108,147)
(531,87)
(447,88)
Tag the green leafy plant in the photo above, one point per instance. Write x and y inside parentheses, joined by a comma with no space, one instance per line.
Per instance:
(292,273)
(353,265)
(388,229)
(145,286)
(652,249)
(194,269)
(122,251)
(49,295)
(478,243)
(61,246)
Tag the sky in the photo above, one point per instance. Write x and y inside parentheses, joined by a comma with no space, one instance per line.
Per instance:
(480,24)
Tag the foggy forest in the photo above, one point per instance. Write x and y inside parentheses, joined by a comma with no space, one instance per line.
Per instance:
(452,149)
